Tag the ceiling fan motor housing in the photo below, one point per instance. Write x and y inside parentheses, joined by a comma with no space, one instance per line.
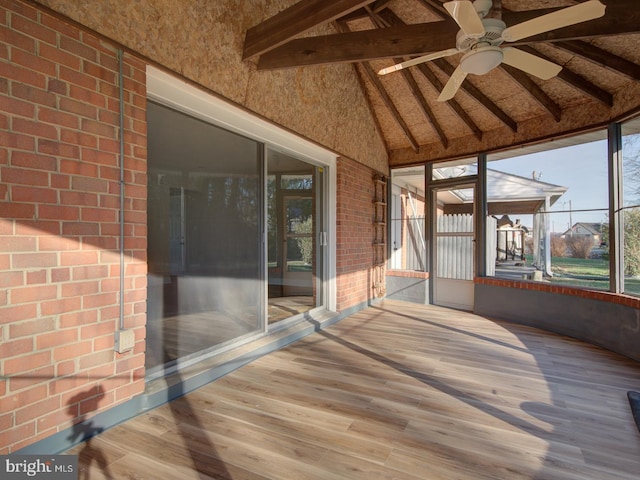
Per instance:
(493,35)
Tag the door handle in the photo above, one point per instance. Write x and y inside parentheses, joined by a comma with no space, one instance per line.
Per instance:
(323,239)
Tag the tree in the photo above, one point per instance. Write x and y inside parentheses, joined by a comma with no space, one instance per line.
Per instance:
(558,246)
(631,168)
(580,245)
(305,244)
(632,241)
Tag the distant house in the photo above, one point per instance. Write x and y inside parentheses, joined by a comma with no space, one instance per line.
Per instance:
(585,229)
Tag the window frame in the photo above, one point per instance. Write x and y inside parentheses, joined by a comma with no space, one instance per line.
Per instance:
(616,208)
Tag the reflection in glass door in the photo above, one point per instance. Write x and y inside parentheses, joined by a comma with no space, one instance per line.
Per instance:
(454,248)
(298,247)
(204,254)
(295,236)
(177,235)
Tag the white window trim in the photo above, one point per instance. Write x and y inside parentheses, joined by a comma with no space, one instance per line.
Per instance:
(178,94)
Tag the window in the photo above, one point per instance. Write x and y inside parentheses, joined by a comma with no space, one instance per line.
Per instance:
(548,211)
(631,205)
(455,169)
(407,220)
(548,214)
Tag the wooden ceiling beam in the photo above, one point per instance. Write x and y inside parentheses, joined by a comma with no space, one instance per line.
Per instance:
(342,27)
(480,97)
(453,103)
(575,80)
(602,58)
(435,7)
(360,46)
(622,17)
(496,10)
(380,5)
(376,120)
(375,19)
(386,99)
(391,18)
(293,21)
(534,90)
(424,105)
(355,15)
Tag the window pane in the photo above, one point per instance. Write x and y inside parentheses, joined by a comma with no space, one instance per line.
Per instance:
(272,222)
(298,215)
(295,220)
(297,182)
(548,215)
(407,220)
(631,202)
(455,169)
(204,251)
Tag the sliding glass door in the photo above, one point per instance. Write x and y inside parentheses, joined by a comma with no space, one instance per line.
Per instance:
(205,228)
(236,239)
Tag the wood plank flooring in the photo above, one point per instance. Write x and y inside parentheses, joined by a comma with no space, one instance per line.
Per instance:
(398,391)
(281,308)
(178,335)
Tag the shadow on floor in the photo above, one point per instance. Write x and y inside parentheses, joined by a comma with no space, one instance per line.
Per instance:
(80,406)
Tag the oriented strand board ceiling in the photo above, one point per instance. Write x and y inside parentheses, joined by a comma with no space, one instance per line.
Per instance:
(598,83)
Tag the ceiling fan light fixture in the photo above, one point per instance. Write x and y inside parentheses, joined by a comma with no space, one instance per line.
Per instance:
(481,60)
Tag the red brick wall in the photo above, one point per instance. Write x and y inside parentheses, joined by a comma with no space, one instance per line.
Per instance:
(620,299)
(354,234)
(59,225)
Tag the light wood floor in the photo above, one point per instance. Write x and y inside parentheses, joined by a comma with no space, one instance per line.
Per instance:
(176,336)
(398,391)
(281,308)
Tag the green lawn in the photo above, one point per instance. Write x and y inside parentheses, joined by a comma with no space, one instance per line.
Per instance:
(580,266)
(587,273)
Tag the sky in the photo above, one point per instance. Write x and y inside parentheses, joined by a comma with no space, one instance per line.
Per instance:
(581,168)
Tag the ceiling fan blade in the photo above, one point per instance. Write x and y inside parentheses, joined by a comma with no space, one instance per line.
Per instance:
(453,85)
(416,61)
(559,19)
(466,17)
(529,63)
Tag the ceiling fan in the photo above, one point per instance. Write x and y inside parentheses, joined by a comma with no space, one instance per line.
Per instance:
(480,40)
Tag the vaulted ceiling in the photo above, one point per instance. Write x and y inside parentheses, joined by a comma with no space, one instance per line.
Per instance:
(599,81)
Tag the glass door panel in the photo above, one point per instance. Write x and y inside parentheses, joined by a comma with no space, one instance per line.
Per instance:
(298,247)
(295,237)
(454,248)
(205,259)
